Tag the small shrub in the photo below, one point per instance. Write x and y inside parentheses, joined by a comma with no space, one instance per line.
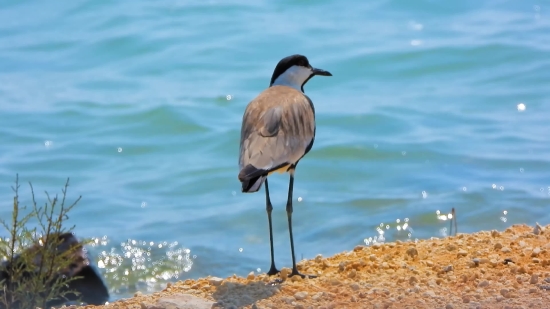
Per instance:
(39,262)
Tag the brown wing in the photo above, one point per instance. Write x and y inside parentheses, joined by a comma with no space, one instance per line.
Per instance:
(277,129)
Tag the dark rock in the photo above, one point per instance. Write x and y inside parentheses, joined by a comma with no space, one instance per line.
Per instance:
(90,285)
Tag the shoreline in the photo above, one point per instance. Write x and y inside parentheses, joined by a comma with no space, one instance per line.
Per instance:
(486,269)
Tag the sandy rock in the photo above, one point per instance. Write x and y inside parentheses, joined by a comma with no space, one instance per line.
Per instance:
(504,292)
(146,305)
(300,295)
(393,275)
(317,296)
(451,247)
(412,252)
(318,258)
(538,229)
(215,281)
(429,294)
(285,272)
(183,301)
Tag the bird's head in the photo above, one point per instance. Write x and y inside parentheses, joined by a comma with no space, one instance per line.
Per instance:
(295,71)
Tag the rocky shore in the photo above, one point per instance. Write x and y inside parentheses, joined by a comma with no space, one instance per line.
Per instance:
(488,269)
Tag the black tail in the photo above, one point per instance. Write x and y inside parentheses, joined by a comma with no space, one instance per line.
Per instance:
(253,185)
(252,178)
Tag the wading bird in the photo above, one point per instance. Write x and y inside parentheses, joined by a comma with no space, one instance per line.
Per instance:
(278,129)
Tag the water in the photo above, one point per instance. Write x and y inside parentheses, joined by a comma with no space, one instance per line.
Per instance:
(140,104)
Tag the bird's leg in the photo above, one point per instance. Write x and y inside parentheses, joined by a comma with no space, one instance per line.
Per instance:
(451,226)
(269,209)
(289,214)
(454,219)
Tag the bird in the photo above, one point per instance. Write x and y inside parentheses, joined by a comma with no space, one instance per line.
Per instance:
(278,129)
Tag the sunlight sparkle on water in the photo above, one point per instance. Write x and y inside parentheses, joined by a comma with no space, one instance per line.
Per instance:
(141,265)
(504,218)
(521,107)
(443,217)
(416,25)
(384,231)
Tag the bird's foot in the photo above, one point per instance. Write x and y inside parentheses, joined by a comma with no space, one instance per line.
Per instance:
(296,272)
(273,271)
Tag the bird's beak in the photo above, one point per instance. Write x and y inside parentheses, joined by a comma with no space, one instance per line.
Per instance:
(320,72)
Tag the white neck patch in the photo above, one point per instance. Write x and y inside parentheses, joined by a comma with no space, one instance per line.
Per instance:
(294,77)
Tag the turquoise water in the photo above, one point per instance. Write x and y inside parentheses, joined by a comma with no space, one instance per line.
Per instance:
(432,106)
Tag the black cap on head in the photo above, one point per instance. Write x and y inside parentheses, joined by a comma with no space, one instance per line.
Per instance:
(295,78)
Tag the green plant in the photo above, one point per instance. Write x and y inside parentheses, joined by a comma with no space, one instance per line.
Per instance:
(40,254)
